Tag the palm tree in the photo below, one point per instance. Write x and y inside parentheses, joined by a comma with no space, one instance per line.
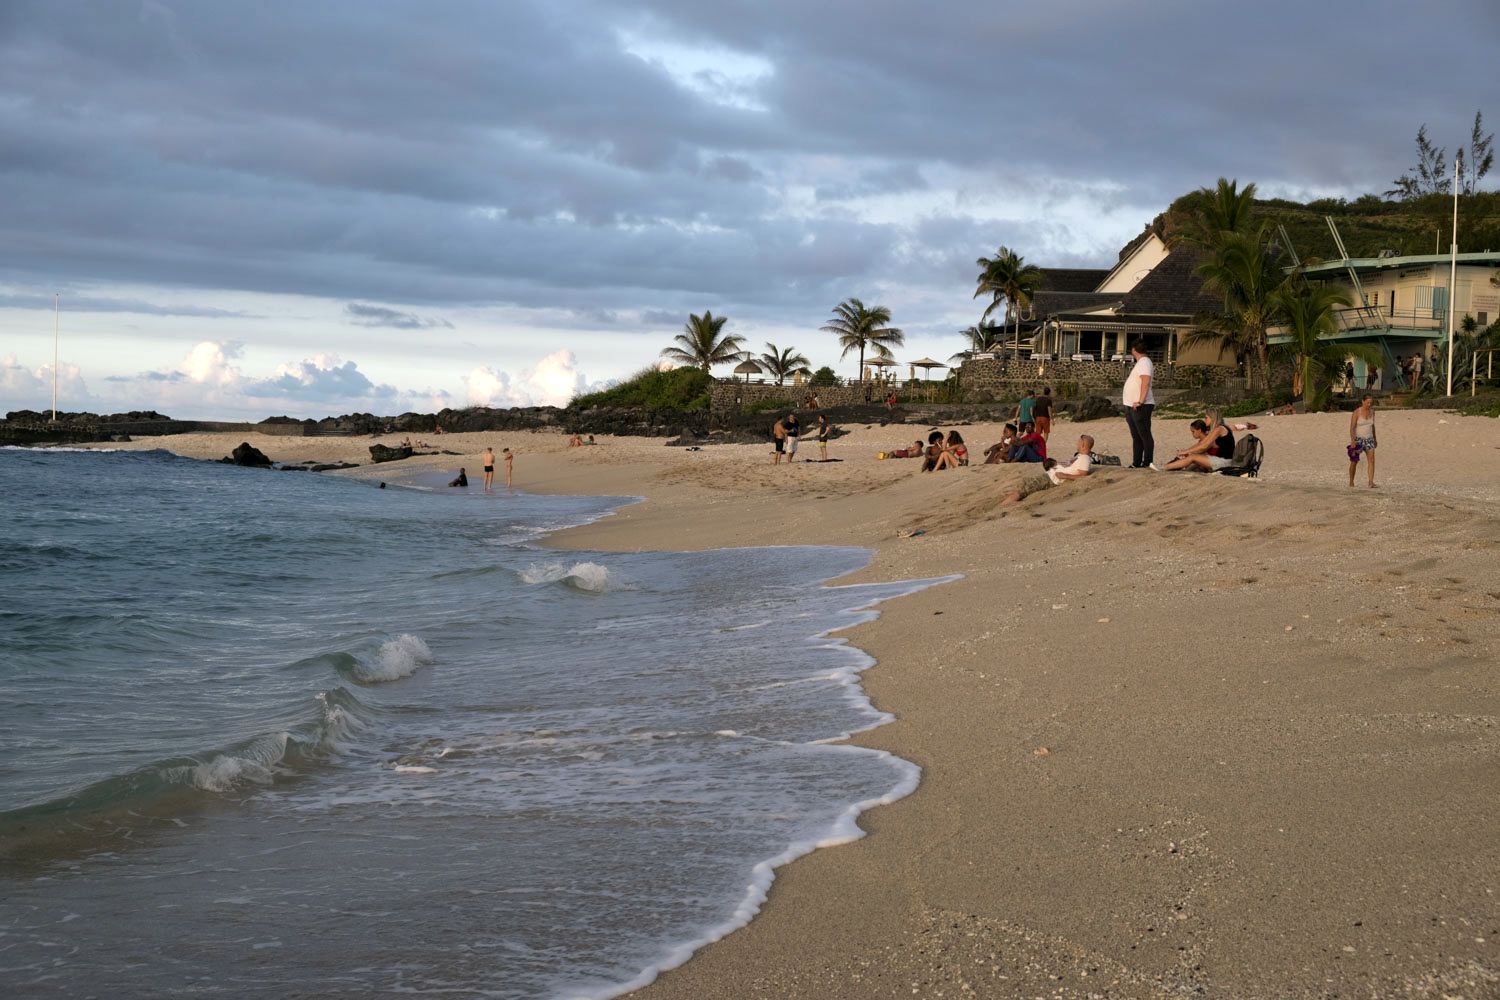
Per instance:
(1238,267)
(782,363)
(982,338)
(859,328)
(1226,209)
(702,344)
(1007,276)
(1309,318)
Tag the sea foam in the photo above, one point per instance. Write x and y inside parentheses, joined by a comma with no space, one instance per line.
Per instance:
(396,658)
(586,576)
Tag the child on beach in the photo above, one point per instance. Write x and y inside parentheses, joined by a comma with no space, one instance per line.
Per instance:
(489,468)
(1362,439)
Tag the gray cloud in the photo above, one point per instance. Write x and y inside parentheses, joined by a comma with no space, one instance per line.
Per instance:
(520,154)
(363,314)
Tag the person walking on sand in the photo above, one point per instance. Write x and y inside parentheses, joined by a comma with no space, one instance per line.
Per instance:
(1362,439)
(822,438)
(1139,402)
(778,433)
(1041,412)
(1024,408)
(793,432)
(509,458)
(489,468)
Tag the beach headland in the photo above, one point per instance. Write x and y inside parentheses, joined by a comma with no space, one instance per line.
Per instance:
(1180,734)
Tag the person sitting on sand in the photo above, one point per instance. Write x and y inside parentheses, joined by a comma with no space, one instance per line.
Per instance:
(575,441)
(591,439)
(1212,448)
(1082,463)
(1000,452)
(933,451)
(462,479)
(955,453)
(1030,446)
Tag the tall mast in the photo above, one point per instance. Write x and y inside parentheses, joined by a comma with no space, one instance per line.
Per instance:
(56,328)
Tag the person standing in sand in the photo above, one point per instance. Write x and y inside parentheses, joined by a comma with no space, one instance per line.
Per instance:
(489,468)
(509,458)
(1024,408)
(822,438)
(793,432)
(1041,412)
(778,435)
(1362,439)
(1139,402)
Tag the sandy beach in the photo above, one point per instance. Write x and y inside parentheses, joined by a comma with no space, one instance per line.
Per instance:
(1181,735)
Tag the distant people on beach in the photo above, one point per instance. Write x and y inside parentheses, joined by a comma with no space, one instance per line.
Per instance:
(933,451)
(793,434)
(890,400)
(1082,464)
(489,468)
(915,450)
(1025,407)
(1362,439)
(1000,451)
(591,439)
(1041,412)
(810,402)
(1211,451)
(576,441)
(505,454)
(1139,402)
(778,441)
(954,454)
(462,479)
(823,437)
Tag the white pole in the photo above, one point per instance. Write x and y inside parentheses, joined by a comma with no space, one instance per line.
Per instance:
(55,334)
(1453,279)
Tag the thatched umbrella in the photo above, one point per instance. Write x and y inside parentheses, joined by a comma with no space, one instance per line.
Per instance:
(927,364)
(747,368)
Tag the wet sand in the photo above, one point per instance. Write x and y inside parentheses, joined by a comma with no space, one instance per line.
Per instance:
(1181,735)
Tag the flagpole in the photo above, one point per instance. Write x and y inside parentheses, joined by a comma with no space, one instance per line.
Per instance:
(1453,278)
(55,335)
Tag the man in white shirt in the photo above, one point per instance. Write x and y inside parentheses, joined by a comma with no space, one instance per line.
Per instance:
(1139,402)
(1079,467)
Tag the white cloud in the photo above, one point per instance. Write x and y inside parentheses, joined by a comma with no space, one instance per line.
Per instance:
(208,363)
(554,381)
(31,388)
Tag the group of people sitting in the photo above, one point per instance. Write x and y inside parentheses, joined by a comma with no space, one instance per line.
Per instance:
(938,453)
(1018,444)
(577,441)
(1212,449)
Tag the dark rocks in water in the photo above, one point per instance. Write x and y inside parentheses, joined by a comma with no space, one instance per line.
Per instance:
(247,455)
(1095,408)
(331,466)
(292,468)
(381,453)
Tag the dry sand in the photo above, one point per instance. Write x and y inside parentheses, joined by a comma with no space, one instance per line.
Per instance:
(1181,735)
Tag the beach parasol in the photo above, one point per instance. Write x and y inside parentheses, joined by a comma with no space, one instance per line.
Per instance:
(927,364)
(747,368)
(878,362)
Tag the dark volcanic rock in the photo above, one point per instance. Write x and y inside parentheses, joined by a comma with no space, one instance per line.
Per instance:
(1095,408)
(380,453)
(329,466)
(248,455)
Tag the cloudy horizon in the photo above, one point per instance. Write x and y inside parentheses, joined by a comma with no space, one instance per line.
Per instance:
(312,209)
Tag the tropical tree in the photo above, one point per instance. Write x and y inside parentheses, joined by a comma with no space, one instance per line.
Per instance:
(1224,209)
(1007,277)
(983,337)
(782,363)
(1238,267)
(860,328)
(1309,317)
(1467,339)
(703,343)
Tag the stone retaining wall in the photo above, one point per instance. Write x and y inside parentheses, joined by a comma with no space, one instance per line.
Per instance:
(1015,375)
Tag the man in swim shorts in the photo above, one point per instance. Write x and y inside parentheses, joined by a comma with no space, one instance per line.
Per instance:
(489,468)
(778,433)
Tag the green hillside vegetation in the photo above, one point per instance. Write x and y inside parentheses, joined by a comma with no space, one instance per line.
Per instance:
(651,389)
(1368,224)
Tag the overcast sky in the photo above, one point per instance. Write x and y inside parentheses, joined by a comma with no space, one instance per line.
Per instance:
(256,208)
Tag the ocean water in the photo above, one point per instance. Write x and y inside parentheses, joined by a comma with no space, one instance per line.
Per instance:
(272,734)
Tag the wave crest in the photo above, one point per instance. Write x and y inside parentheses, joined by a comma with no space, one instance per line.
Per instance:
(396,658)
(586,576)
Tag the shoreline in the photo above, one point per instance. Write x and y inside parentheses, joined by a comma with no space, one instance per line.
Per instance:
(1269,723)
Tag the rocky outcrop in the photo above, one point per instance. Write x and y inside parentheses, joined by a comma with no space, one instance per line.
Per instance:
(1095,408)
(380,453)
(248,455)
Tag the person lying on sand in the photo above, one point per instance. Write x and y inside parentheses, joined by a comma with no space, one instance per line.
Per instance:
(954,453)
(1000,452)
(914,451)
(462,479)
(1082,462)
(1028,486)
